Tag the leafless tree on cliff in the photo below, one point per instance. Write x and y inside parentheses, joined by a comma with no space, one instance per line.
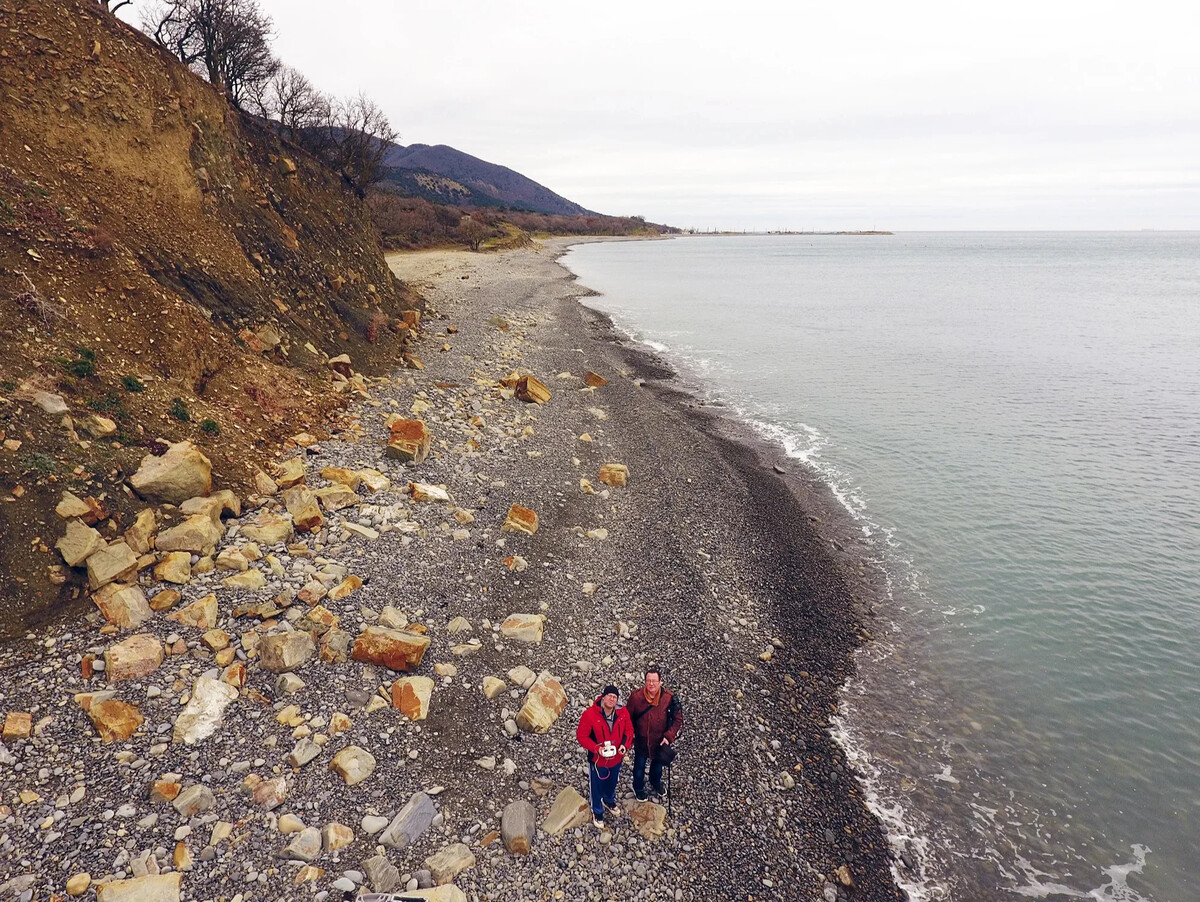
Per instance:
(354,141)
(227,41)
(292,103)
(113,9)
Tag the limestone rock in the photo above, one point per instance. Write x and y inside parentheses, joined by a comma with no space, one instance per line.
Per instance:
(518,823)
(165,600)
(182,473)
(458,625)
(336,836)
(544,702)
(17,725)
(232,559)
(301,503)
(304,752)
(305,846)
(393,618)
(570,810)
(530,390)
(252,580)
(123,606)
(269,794)
(194,800)
(382,874)
(373,480)
(523,627)
(335,646)
(134,658)
(412,821)
(421,491)
(345,587)
(351,479)
(447,893)
(78,884)
(287,684)
(140,536)
(72,506)
(492,687)
(395,649)
(449,863)
(269,529)
(198,534)
(114,720)
(175,567)
(409,441)
(353,764)
(614,474)
(214,506)
(201,614)
(110,564)
(411,696)
(520,519)
(289,472)
(150,888)
(649,819)
(522,676)
(337,497)
(79,542)
(264,484)
(281,652)
(204,710)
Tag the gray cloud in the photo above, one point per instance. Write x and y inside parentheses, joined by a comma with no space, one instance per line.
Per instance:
(768,115)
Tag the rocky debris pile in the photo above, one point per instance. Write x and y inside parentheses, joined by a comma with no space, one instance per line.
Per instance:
(366,675)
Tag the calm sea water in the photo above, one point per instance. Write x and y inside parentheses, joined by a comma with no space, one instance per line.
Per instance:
(1013,420)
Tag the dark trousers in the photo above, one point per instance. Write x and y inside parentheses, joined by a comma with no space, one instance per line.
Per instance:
(603,781)
(639,772)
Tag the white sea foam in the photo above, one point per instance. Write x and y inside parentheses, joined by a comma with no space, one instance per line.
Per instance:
(1116,889)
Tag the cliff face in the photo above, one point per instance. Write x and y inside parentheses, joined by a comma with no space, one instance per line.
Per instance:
(164,261)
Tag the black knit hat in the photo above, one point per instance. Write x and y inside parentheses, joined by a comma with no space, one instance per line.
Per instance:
(611,690)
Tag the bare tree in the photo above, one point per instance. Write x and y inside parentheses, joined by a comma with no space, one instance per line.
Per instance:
(472,231)
(292,103)
(354,141)
(113,9)
(227,41)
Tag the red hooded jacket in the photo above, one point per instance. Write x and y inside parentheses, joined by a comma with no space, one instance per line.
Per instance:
(593,731)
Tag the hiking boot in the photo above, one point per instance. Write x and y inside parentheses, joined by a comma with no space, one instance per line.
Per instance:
(657,789)
(613,807)
(598,822)
(641,795)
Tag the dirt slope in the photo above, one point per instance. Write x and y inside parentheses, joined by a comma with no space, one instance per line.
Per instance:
(156,245)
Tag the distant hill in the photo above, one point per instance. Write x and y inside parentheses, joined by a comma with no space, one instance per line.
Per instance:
(441,174)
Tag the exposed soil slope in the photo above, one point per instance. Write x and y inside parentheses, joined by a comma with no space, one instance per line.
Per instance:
(156,245)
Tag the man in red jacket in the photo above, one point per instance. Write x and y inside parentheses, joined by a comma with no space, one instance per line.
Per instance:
(657,718)
(606,732)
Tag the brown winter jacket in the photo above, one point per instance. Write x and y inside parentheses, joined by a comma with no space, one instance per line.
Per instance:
(650,721)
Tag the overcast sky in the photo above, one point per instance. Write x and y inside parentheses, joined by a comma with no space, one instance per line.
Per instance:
(832,115)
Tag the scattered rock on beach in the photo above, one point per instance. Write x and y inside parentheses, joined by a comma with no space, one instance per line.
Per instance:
(544,702)
(523,627)
(520,519)
(518,822)
(409,441)
(181,473)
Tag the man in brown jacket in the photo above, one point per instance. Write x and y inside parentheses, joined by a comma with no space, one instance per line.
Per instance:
(657,719)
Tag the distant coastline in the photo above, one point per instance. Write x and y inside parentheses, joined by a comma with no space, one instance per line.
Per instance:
(788,232)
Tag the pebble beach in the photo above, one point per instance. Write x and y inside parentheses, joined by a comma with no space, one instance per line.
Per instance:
(367,675)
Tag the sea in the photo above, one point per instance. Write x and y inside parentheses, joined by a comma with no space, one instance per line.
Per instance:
(1012,423)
